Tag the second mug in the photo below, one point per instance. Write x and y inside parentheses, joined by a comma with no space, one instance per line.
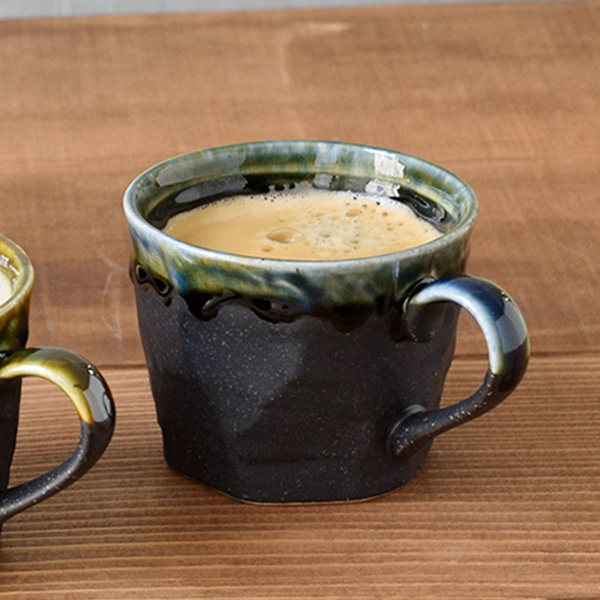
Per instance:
(75,376)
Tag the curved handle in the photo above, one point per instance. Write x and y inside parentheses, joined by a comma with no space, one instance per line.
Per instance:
(88,391)
(508,346)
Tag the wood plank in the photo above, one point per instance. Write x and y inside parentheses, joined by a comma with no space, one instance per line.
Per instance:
(506,95)
(505,507)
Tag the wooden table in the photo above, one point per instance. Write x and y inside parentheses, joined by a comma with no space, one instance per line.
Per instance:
(505,95)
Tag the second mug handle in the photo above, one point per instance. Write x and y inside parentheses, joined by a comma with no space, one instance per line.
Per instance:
(88,391)
(506,336)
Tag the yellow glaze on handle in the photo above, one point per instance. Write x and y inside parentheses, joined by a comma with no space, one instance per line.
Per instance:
(77,378)
(88,391)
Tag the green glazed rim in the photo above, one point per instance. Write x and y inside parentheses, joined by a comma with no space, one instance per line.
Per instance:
(188,268)
(14,312)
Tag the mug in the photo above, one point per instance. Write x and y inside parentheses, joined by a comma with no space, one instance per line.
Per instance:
(281,381)
(74,375)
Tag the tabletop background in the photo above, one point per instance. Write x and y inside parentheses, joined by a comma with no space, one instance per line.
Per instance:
(505,95)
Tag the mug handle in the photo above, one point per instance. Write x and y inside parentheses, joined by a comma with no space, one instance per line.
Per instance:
(90,394)
(506,336)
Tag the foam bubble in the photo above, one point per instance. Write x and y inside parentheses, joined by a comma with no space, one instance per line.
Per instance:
(284,235)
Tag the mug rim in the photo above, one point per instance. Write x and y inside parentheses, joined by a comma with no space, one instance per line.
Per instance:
(13,257)
(138,223)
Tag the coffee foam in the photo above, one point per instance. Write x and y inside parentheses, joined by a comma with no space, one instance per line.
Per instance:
(5,288)
(303,223)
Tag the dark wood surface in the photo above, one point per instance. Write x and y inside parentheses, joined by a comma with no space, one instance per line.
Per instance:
(505,95)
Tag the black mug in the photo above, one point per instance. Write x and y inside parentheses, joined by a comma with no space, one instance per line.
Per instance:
(281,381)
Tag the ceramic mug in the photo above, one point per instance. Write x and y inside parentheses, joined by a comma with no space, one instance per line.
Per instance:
(305,381)
(74,375)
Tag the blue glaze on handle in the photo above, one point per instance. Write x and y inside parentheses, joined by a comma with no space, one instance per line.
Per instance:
(494,310)
(507,340)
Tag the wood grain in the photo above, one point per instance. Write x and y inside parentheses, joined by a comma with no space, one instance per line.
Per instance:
(505,95)
(505,507)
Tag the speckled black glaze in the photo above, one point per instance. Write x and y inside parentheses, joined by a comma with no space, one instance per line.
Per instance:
(80,381)
(299,381)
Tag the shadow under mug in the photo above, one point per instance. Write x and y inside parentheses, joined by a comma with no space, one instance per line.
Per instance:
(74,375)
(306,381)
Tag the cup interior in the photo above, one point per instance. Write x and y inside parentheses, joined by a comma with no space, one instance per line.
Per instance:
(188,181)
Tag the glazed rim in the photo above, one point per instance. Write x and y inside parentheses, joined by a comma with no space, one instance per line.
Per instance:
(429,176)
(17,265)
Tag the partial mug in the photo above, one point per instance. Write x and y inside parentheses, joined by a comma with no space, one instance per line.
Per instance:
(75,376)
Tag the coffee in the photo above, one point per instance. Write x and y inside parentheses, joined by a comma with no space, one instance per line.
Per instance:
(5,288)
(303,223)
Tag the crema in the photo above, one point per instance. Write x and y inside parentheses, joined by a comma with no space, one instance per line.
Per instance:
(303,223)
